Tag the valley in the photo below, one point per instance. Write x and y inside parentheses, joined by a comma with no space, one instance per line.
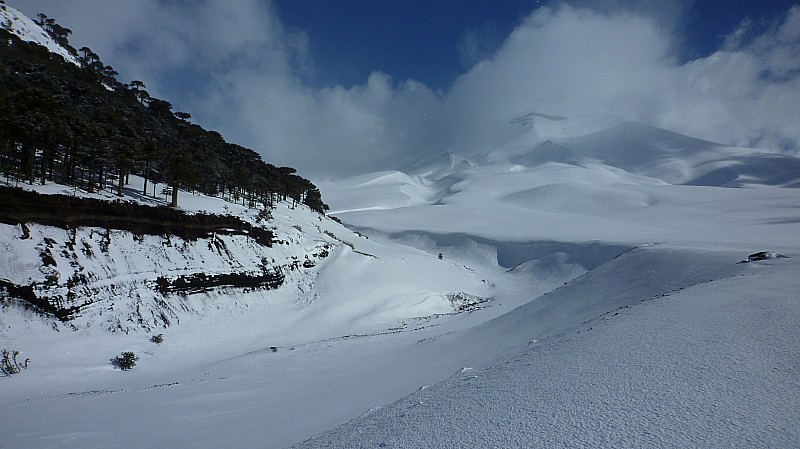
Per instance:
(477,276)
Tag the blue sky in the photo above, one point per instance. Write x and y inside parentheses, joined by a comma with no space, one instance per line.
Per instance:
(336,88)
(423,40)
(435,41)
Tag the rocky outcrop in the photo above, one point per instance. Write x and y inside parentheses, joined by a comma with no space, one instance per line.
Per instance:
(128,266)
(19,206)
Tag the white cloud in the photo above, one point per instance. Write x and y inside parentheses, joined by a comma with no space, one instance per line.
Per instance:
(568,61)
(246,73)
(563,61)
(746,94)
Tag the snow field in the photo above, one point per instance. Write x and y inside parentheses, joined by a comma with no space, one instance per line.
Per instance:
(709,365)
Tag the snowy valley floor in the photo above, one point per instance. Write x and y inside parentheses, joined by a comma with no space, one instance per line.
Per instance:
(660,346)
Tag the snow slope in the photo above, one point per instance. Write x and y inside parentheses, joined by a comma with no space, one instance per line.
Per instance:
(709,365)
(623,183)
(114,272)
(27,30)
(700,364)
(669,156)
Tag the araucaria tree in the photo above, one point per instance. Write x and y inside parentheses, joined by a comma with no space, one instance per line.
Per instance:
(77,125)
(125,361)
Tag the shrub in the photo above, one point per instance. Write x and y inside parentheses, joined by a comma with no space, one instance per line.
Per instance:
(264,215)
(9,364)
(157,339)
(125,361)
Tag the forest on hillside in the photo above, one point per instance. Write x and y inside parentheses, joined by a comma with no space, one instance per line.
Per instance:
(78,125)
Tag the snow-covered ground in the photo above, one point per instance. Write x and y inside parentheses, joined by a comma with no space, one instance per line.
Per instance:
(604,306)
(27,30)
(673,343)
(714,364)
(362,290)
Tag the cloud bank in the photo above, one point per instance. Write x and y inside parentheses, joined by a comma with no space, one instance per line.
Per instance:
(240,71)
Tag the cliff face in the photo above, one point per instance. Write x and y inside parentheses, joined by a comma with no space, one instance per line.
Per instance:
(126,266)
(70,212)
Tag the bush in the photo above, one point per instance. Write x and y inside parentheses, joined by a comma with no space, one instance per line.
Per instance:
(9,364)
(125,361)
(157,339)
(264,214)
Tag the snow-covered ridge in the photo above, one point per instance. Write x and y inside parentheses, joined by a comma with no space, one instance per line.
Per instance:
(27,30)
(117,280)
(585,178)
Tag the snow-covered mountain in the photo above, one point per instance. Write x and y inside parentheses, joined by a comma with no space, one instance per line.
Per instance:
(671,157)
(547,262)
(622,212)
(572,281)
(558,179)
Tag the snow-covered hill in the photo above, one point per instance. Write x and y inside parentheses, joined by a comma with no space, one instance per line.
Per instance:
(27,30)
(711,364)
(587,363)
(595,179)
(117,280)
(671,157)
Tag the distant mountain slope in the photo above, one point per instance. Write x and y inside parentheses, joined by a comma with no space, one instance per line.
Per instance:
(587,178)
(541,158)
(394,188)
(669,156)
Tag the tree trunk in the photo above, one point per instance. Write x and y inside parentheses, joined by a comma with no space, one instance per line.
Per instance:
(121,182)
(174,195)
(146,175)
(44,166)
(28,158)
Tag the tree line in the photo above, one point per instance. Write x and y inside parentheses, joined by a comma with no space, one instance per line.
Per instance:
(78,125)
